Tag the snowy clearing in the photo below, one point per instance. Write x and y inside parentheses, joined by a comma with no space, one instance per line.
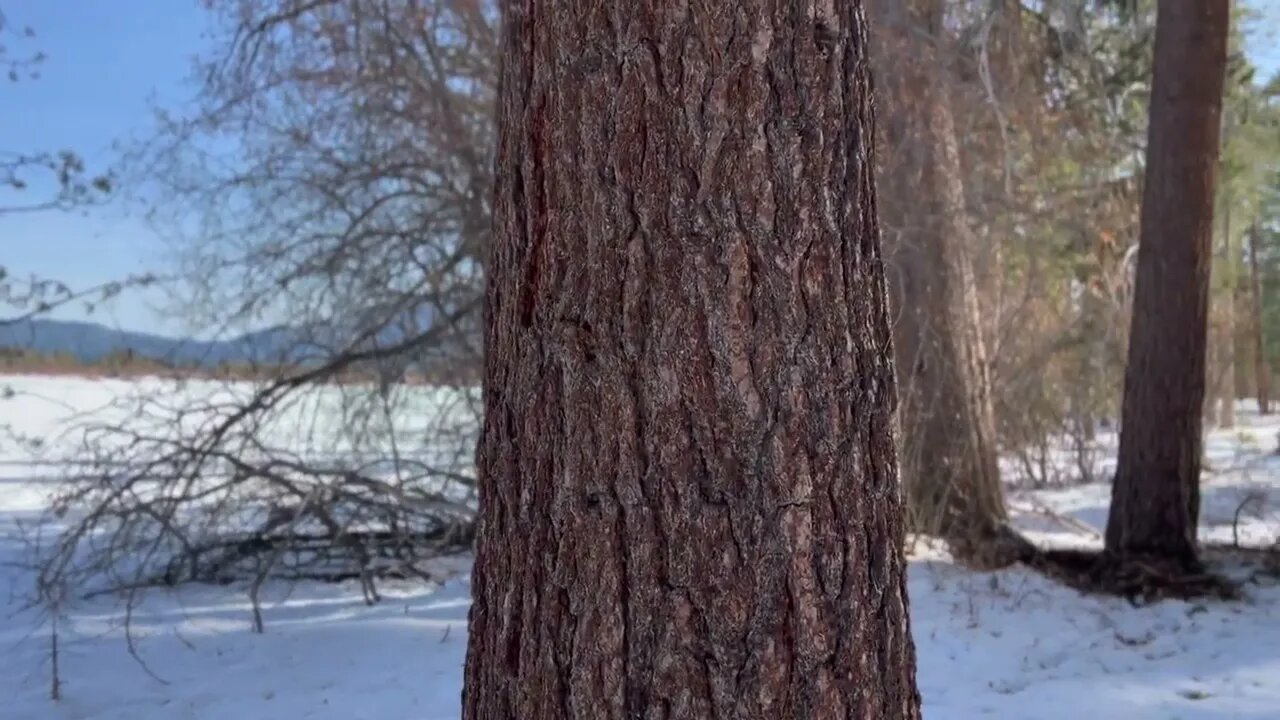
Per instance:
(1005,644)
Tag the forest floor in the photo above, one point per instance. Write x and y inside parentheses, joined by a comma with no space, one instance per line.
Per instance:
(1007,644)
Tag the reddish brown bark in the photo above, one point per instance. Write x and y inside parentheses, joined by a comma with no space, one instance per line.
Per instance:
(688,482)
(1156,496)
(949,454)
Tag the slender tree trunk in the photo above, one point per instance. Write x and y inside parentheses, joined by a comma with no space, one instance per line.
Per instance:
(688,481)
(1220,364)
(1261,367)
(1227,328)
(1213,374)
(949,454)
(1156,497)
(1095,384)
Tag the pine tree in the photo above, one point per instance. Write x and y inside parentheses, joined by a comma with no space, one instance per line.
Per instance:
(1155,498)
(688,480)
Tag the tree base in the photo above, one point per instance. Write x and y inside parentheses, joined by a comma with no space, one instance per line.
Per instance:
(1141,579)
(994,548)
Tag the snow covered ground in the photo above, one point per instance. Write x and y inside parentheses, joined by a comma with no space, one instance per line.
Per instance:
(1007,644)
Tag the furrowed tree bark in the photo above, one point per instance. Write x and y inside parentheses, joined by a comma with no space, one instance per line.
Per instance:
(1156,496)
(1261,367)
(688,479)
(949,456)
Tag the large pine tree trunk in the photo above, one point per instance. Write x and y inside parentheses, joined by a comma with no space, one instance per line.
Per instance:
(1155,499)
(1261,367)
(949,454)
(688,481)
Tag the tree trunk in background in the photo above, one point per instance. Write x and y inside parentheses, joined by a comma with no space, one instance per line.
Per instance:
(1156,497)
(1261,368)
(1227,316)
(1212,374)
(949,454)
(688,482)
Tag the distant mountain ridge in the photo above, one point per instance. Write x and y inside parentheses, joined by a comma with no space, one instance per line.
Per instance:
(91,342)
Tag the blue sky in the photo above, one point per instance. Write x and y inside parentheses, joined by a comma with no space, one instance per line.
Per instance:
(108,64)
(1262,36)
